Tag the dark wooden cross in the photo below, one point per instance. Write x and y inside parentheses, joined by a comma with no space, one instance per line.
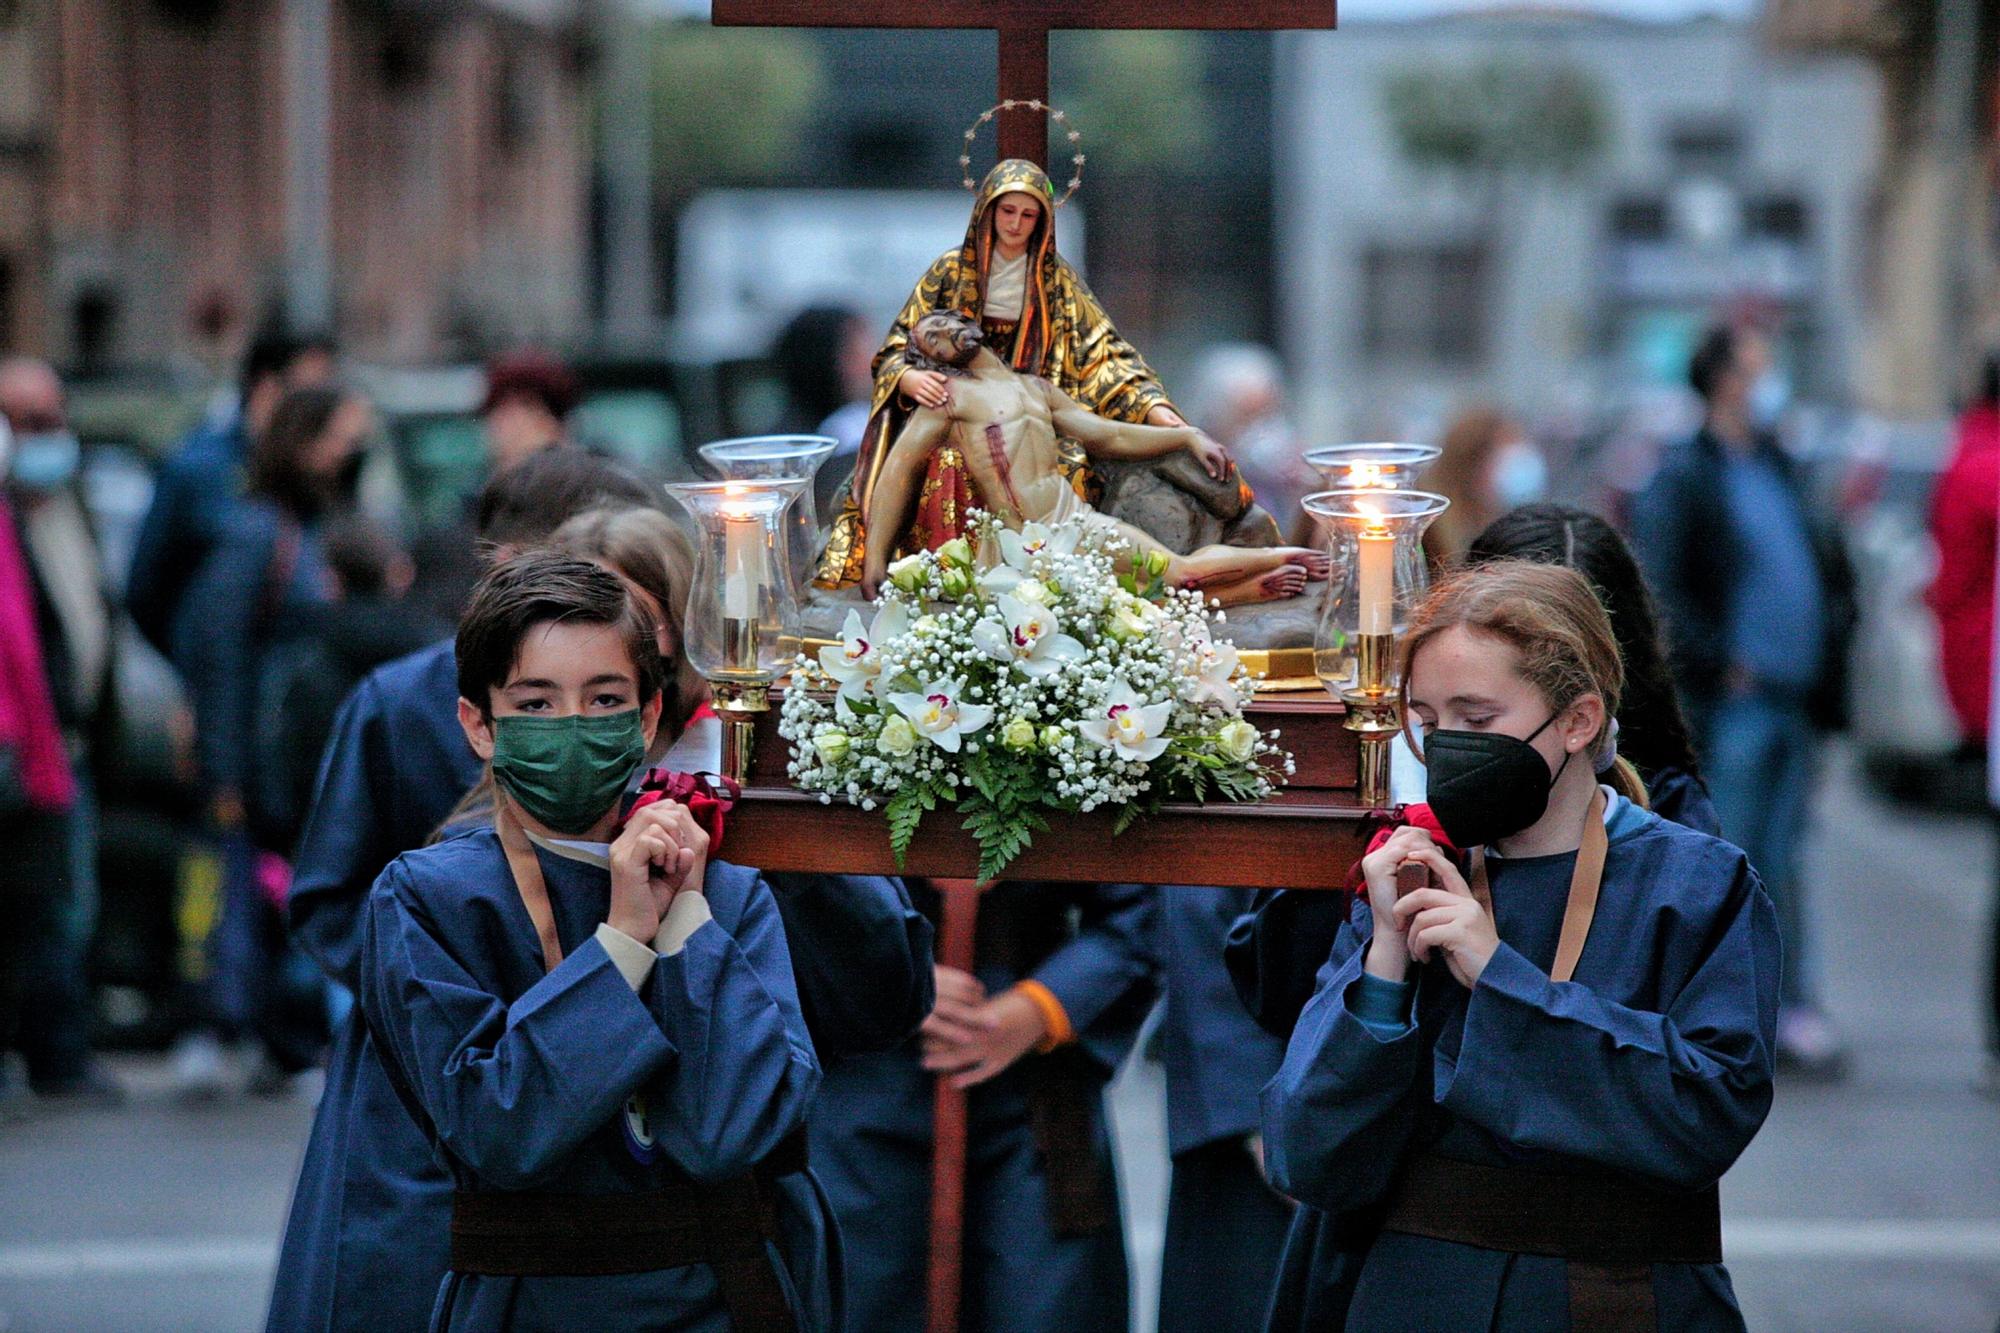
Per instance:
(1023,27)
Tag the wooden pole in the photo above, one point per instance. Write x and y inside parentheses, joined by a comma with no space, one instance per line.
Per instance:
(1024,77)
(945,1284)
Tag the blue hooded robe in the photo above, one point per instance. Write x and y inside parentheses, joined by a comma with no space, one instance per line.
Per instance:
(1654,1063)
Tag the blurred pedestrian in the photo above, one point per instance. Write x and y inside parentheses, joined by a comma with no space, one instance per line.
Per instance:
(371,620)
(529,397)
(265,585)
(1965,521)
(1758,603)
(1488,466)
(822,356)
(74,621)
(1239,398)
(36,787)
(202,478)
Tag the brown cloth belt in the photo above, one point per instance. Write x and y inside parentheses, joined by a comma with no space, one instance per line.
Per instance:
(1611,1232)
(524,1234)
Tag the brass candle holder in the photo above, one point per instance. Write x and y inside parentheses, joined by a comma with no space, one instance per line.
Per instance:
(741,625)
(1375,542)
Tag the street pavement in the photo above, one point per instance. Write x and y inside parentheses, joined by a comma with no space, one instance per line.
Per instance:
(1870,1205)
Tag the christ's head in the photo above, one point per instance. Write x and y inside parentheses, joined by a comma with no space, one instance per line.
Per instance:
(947,337)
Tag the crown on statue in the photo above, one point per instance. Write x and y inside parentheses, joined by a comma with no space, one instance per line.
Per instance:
(1025,104)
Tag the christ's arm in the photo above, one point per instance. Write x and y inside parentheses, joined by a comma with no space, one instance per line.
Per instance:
(1102,437)
(889,502)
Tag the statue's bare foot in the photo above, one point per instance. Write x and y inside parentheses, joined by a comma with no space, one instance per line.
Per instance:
(1317,564)
(1272,585)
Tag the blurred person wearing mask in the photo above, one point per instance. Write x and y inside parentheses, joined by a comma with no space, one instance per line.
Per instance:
(1965,522)
(823,355)
(266,585)
(194,491)
(529,397)
(1757,604)
(72,623)
(1239,398)
(1488,467)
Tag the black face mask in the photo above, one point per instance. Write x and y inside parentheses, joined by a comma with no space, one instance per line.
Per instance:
(1484,786)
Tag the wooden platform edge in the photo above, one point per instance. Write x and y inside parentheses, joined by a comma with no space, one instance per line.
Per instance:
(1284,845)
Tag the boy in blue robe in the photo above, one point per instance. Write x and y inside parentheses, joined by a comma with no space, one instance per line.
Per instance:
(1226,1226)
(1063,980)
(597,1029)
(367,1240)
(1514,1090)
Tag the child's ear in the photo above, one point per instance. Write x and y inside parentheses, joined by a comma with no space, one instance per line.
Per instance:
(478,728)
(1586,724)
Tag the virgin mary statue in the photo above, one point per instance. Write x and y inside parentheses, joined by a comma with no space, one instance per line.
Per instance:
(1038,316)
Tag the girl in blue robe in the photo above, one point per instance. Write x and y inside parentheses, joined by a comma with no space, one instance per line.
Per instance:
(602,1041)
(1440,1071)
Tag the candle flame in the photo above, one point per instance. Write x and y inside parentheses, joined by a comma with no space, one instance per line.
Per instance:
(1364,475)
(1374,521)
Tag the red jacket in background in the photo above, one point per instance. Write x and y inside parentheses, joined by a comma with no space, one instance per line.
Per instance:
(1965,521)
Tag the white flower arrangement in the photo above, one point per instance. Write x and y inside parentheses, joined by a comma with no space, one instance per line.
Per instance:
(1020,676)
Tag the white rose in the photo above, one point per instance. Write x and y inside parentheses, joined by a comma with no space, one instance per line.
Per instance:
(1238,741)
(898,737)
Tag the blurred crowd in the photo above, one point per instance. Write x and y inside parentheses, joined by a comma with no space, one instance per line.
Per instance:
(271,591)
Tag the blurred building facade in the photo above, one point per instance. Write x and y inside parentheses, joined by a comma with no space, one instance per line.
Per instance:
(155,200)
(1723,177)
(1933,286)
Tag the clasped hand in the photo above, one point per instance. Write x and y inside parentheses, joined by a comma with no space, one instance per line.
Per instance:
(661,851)
(970,1037)
(1444,919)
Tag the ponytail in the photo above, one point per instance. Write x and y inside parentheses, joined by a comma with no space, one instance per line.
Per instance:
(1624,779)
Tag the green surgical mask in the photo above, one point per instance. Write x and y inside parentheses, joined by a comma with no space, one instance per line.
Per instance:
(565,772)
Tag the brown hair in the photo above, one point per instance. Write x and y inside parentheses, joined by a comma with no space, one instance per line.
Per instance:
(1562,639)
(644,546)
(277,464)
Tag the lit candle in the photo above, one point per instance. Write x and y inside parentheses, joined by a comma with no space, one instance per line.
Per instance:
(742,562)
(1365,476)
(1378,575)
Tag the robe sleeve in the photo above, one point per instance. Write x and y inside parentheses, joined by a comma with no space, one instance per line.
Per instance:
(744,1074)
(511,1090)
(1675,1095)
(1274,953)
(861,955)
(1343,1106)
(342,848)
(1108,969)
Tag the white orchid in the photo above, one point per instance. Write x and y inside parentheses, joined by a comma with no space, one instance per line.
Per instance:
(1019,549)
(1128,726)
(1215,667)
(856,661)
(938,714)
(1030,638)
